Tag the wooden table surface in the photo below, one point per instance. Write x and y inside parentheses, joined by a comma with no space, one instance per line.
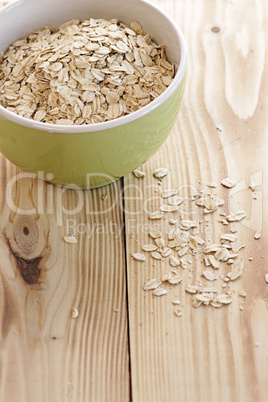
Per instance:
(126,345)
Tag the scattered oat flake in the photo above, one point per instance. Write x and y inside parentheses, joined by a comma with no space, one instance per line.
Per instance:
(168,208)
(193,244)
(199,201)
(212,185)
(215,303)
(156,215)
(266,278)
(187,224)
(209,275)
(166,252)
(252,185)
(156,255)
(242,293)
(75,313)
(236,216)
(172,221)
(211,249)
(199,240)
(174,280)
(159,292)
(224,298)
(138,173)
(154,234)
(237,245)
(160,242)
(166,277)
(233,230)
(214,262)
(209,290)
(191,289)
(196,303)
(204,297)
(70,239)
(210,202)
(257,235)
(174,262)
(138,257)
(228,237)
(184,250)
(176,302)
(171,234)
(175,201)
(160,173)
(177,313)
(152,284)
(222,254)
(168,193)
(149,247)
(237,269)
(228,183)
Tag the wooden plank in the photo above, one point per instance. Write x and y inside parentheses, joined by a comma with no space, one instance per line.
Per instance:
(207,354)
(46,354)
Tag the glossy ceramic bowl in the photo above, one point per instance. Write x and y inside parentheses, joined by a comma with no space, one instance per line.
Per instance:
(93,155)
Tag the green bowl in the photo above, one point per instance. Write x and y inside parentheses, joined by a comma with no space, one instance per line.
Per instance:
(93,155)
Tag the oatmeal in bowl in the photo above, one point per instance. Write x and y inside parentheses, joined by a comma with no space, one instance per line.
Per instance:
(83,72)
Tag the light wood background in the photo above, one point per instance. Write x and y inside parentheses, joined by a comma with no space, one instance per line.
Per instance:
(126,345)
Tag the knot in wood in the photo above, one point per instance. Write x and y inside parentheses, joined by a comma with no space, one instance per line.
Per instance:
(25,233)
(215,29)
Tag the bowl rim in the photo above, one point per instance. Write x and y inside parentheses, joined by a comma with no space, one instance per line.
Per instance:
(110,124)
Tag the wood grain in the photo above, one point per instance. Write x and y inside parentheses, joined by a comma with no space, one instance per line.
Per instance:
(221,131)
(206,355)
(47,355)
